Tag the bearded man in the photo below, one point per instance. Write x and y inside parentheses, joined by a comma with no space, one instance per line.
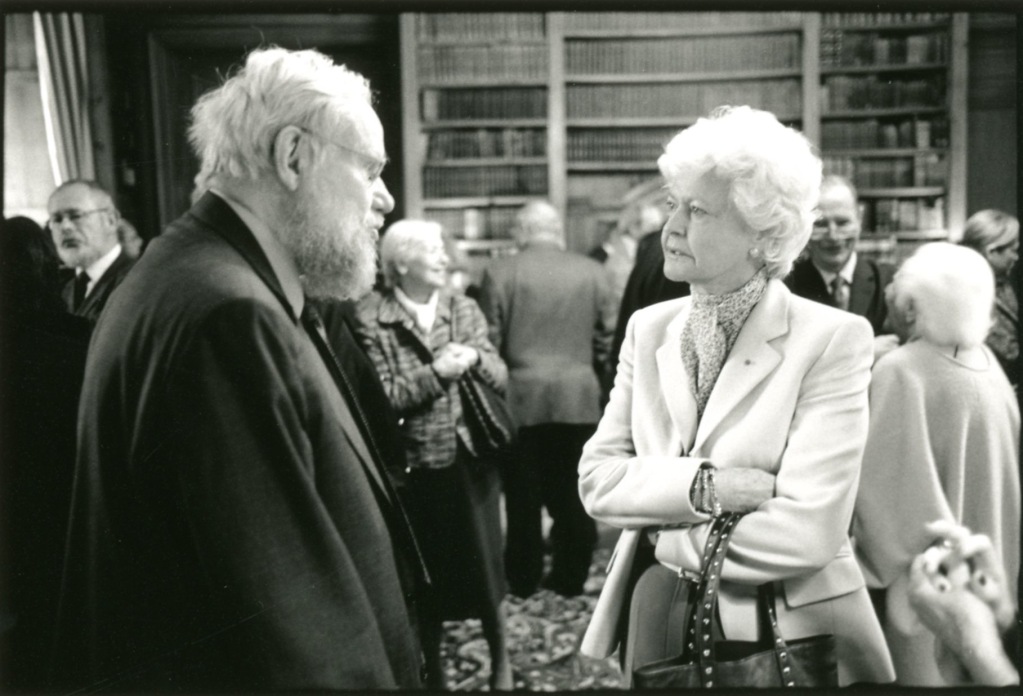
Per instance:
(232,528)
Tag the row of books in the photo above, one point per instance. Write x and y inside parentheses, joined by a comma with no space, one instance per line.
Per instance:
(886,133)
(880,19)
(618,144)
(503,61)
(449,182)
(694,54)
(846,49)
(486,142)
(845,92)
(475,26)
(682,100)
(882,215)
(475,223)
(919,170)
(485,103)
(599,21)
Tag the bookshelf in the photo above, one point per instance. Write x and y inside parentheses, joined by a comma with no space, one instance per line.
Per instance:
(576,107)
(893,101)
(476,123)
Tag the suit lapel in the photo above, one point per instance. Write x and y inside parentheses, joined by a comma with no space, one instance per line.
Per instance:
(863,286)
(675,381)
(751,359)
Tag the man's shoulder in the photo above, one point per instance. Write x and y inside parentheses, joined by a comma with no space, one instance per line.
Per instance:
(883,270)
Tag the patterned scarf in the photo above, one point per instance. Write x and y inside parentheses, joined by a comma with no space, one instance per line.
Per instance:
(710,332)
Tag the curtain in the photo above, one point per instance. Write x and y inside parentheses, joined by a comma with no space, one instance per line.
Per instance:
(64,84)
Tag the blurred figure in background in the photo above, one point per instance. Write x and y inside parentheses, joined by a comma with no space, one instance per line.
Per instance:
(646,284)
(943,441)
(84,224)
(42,362)
(129,238)
(551,315)
(422,338)
(995,236)
(831,271)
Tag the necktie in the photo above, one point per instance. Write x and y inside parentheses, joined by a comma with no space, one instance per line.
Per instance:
(80,286)
(840,293)
(317,332)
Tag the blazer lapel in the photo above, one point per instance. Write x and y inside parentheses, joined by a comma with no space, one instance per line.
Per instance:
(103,288)
(751,359)
(862,291)
(675,381)
(390,311)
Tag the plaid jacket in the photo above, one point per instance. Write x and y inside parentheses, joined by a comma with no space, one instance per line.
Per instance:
(429,409)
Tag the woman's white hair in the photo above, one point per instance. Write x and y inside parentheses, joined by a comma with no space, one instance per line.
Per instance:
(773,175)
(234,126)
(950,291)
(401,243)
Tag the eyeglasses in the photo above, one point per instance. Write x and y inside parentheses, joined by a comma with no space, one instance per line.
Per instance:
(72,216)
(840,228)
(375,166)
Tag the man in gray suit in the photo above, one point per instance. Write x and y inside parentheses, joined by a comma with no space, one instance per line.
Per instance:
(551,316)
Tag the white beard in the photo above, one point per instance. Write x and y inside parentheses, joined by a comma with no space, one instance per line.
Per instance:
(335,258)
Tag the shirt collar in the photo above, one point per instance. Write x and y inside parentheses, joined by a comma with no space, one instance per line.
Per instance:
(280,261)
(846,271)
(424,313)
(100,265)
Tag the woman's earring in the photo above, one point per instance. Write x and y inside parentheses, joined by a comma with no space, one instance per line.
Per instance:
(754,253)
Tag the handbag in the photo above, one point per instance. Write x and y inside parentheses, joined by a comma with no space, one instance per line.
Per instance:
(710,662)
(485,411)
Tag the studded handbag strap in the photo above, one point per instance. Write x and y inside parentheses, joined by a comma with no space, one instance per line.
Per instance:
(701,639)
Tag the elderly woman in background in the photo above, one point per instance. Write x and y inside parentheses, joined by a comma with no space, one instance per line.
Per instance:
(766,388)
(943,443)
(422,338)
(995,236)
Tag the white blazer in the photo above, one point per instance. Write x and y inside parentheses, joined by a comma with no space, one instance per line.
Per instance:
(791,399)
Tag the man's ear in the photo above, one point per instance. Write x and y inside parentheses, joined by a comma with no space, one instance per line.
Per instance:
(290,156)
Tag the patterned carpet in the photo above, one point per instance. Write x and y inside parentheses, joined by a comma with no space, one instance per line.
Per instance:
(543,639)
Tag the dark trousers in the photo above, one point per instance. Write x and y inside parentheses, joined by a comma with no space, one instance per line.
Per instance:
(545,473)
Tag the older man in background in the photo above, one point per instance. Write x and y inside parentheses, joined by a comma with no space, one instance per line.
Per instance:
(832,272)
(232,528)
(83,222)
(551,315)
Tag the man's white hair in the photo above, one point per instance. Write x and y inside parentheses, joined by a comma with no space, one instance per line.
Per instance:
(401,243)
(234,126)
(951,289)
(538,221)
(773,175)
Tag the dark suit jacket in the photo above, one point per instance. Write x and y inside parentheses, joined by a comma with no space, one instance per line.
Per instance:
(646,285)
(550,314)
(224,533)
(866,294)
(96,300)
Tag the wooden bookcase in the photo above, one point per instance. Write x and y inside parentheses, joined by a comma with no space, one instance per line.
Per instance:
(575,107)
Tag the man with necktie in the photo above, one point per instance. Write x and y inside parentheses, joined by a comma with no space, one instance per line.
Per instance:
(233,527)
(83,222)
(831,271)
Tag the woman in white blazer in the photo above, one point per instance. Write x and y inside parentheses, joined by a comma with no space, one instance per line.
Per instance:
(767,388)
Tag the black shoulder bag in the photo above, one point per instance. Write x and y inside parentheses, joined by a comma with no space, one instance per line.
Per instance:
(708,662)
(486,413)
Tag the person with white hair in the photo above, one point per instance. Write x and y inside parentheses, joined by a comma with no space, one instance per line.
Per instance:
(551,315)
(739,398)
(943,443)
(233,528)
(994,234)
(422,339)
